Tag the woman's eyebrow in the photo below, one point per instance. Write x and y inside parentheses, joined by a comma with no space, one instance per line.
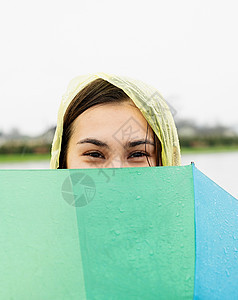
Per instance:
(105,145)
(93,141)
(139,142)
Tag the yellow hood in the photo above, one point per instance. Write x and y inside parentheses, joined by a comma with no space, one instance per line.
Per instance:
(146,98)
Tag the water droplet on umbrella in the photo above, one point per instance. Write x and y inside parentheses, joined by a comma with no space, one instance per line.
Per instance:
(187,278)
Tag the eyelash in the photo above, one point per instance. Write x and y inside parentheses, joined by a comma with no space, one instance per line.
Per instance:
(90,154)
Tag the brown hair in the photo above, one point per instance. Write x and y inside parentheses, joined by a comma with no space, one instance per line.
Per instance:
(96,92)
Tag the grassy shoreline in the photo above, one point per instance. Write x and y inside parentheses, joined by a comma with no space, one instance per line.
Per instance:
(217,149)
(11,158)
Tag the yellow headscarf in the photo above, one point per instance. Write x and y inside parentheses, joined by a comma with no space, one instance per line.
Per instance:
(146,98)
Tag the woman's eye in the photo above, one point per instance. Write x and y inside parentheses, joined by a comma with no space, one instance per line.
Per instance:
(94,154)
(139,154)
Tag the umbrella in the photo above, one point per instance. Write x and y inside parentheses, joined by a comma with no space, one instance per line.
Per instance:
(126,233)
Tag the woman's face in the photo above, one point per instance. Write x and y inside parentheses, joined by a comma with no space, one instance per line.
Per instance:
(111,135)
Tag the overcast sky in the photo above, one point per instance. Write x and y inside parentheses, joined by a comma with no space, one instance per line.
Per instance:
(187,49)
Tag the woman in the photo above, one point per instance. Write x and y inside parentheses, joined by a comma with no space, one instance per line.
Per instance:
(107,121)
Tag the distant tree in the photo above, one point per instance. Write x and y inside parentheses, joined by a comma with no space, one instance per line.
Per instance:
(14,133)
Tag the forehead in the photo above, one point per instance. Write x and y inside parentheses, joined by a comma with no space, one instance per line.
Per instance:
(110,119)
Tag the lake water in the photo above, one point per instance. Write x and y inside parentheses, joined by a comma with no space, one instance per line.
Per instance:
(220,167)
